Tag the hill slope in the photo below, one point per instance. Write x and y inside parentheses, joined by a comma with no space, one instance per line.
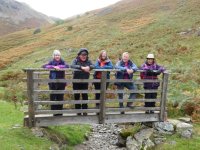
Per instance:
(167,28)
(15,16)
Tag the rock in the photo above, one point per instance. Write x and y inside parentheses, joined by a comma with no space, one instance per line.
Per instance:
(182,33)
(185,119)
(148,144)
(132,144)
(174,121)
(180,127)
(198,33)
(143,134)
(186,134)
(172,142)
(16,126)
(164,127)
(37,132)
(121,141)
(54,147)
(159,140)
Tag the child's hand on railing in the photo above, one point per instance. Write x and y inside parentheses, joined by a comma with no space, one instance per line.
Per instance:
(56,67)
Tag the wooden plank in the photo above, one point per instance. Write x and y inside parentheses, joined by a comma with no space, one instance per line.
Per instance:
(102,97)
(31,107)
(66,91)
(127,118)
(138,81)
(132,91)
(67,102)
(67,80)
(131,100)
(62,120)
(136,108)
(67,111)
(164,96)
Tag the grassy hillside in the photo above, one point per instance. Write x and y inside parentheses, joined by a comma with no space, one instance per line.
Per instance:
(168,28)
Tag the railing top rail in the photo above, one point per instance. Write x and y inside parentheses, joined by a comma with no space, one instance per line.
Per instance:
(71,69)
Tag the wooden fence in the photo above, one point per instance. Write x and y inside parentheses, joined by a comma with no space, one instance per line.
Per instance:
(39,113)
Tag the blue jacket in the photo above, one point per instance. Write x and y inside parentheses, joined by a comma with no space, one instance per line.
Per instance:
(121,65)
(108,65)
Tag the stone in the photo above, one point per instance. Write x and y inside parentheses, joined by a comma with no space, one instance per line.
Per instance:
(148,144)
(159,140)
(174,121)
(186,134)
(198,33)
(185,119)
(121,141)
(132,144)
(164,127)
(16,126)
(182,126)
(54,147)
(172,142)
(37,132)
(143,134)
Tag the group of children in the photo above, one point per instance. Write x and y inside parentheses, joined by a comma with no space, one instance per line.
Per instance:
(126,69)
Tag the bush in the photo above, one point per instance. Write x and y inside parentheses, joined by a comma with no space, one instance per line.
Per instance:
(38,30)
(69,28)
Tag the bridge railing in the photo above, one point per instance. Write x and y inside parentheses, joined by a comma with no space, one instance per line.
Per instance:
(40,114)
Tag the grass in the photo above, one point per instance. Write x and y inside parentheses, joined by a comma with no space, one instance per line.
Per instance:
(19,138)
(22,138)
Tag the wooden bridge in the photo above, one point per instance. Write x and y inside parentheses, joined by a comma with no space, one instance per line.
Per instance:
(39,113)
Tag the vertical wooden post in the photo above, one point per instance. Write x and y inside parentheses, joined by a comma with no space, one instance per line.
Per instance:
(163,96)
(102,97)
(30,91)
(36,85)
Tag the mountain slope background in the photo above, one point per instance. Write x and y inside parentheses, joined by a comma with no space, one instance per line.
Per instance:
(167,28)
(15,16)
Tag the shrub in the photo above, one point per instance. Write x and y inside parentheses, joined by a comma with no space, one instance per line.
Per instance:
(38,30)
(69,28)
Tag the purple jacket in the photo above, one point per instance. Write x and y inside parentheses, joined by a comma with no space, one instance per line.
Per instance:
(56,74)
(151,72)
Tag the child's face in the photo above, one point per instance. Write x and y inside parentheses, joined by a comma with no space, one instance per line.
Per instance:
(57,57)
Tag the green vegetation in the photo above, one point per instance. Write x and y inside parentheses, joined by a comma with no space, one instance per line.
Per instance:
(17,138)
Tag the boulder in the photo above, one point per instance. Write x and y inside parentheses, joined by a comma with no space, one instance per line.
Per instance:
(143,134)
(174,121)
(164,127)
(148,144)
(182,126)
(186,134)
(185,119)
(132,144)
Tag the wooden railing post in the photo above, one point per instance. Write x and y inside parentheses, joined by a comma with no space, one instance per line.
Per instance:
(164,96)
(102,97)
(36,86)
(31,97)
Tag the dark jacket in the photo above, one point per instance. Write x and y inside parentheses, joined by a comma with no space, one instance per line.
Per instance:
(76,64)
(108,65)
(151,72)
(56,74)
(121,65)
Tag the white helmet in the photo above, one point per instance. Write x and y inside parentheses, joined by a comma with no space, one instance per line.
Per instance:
(150,56)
